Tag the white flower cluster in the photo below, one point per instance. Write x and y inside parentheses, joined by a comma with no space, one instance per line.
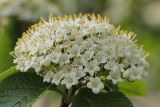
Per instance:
(27,10)
(77,49)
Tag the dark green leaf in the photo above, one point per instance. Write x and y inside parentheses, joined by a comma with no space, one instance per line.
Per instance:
(85,98)
(136,88)
(21,90)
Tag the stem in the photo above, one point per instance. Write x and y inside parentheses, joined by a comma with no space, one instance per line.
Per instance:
(69,96)
(64,104)
(65,97)
(8,73)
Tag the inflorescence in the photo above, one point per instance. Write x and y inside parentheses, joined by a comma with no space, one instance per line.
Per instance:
(80,49)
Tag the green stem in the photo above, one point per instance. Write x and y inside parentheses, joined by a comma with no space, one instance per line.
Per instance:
(65,100)
(8,73)
(69,96)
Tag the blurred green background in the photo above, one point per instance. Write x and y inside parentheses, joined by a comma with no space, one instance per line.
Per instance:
(139,16)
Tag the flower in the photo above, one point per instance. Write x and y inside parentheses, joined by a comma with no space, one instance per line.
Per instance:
(70,80)
(111,65)
(54,57)
(91,67)
(68,50)
(57,78)
(95,84)
(79,72)
(115,76)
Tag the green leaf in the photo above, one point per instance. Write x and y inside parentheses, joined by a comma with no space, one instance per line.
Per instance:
(85,98)
(8,73)
(136,88)
(21,90)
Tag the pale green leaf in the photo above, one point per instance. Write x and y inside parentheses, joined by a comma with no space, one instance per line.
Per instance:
(136,88)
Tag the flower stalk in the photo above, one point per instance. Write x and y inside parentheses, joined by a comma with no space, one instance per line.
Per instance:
(8,73)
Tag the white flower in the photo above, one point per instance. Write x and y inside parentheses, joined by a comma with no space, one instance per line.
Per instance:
(126,74)
(57,78)
(95,84)
(54,57)
(100,57)
(37,66)
(48,76)
(123,51)
(88,45)
(111,65)
(87,56)
(115,76)
(68,50)
(29,63)
(91,67)
(74,51)
(79,72)
(70,80)
(136,73)
(110,50)
(45,61)
(64,59)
